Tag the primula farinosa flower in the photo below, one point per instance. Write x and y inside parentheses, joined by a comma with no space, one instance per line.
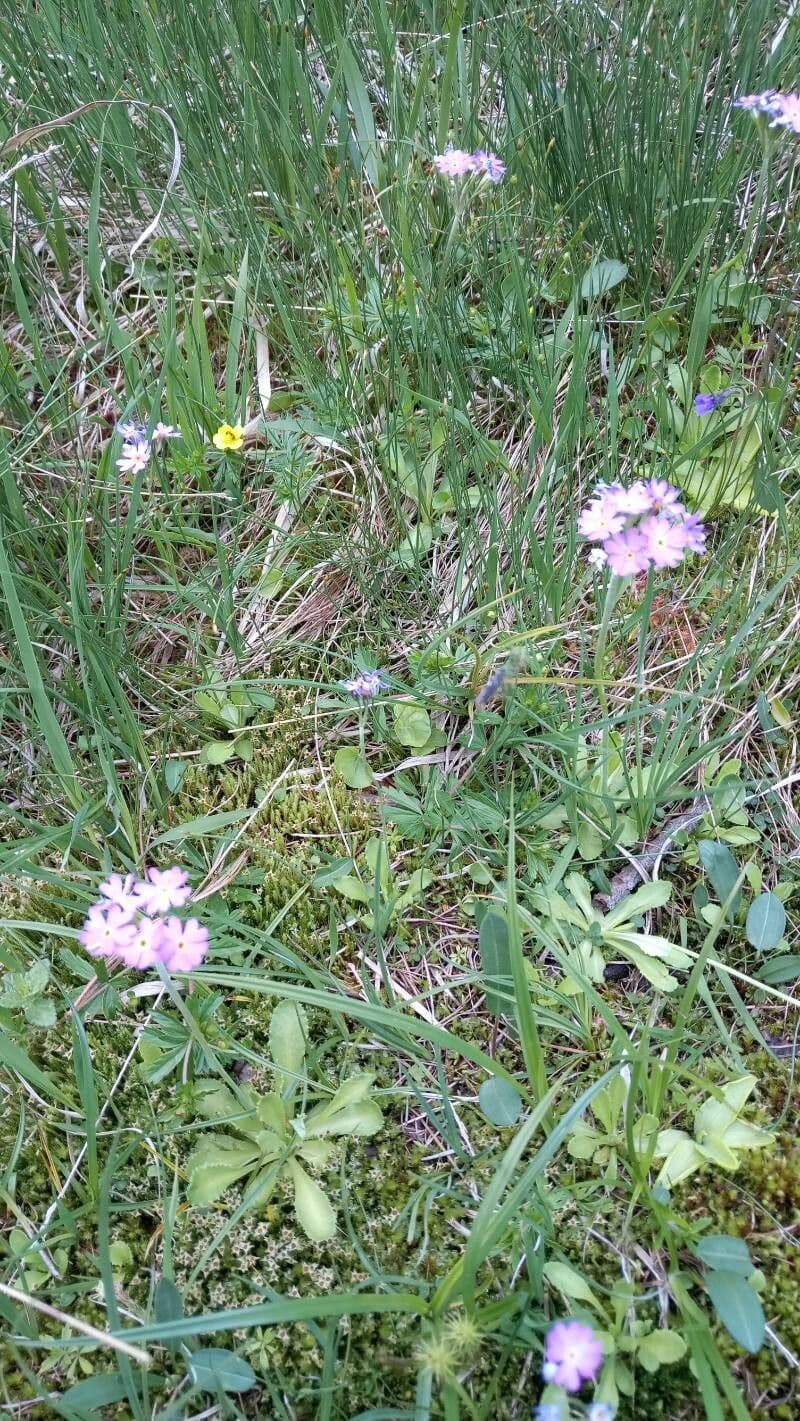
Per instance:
(131,431)
(162,432)
(365,685)
(644,525)
(627,553)
(600,1411)
(146,944)
(134,457)
(183,945)
(454,163)
(757,103)
(600,520)
(163,889)
(665,541)
(107,931)
(707,403)
(229,436)
(490,164)
(782,110)
(547,1411)
(122,892)
(573,1355)
(694,533)
(787,115)
(128,922)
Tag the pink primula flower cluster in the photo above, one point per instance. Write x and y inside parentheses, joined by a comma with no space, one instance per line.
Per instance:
(782,110)
(456,163)
(642,526)
(138,447)
(573,1354)
(133,919)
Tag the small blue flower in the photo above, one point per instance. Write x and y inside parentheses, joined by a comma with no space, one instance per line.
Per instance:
(706,404)
(600,1411)
(366,685)
(547,1411)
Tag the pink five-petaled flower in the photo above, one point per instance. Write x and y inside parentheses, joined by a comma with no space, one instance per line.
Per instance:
(600,520)
(365,685)
(164,431)
(666,541)
(122,892)
(786,112)
(107,931)
(184,945)
(490,164)
(164,889)
(573,1355)
(663,495)
(146,944)
(628,553)
(131,431)
(632,500)
(694,533)
(454,163)
(134,457)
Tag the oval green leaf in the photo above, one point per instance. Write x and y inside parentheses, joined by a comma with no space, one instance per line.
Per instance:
(766,922)
(217,1369)
(500,1102)
(738,1308)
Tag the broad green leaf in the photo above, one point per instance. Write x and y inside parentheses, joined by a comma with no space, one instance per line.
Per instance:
(571,1283)
(720,865)
(725,1251)
(88,1396)
(217,1163)
(313,1208)
(168,1302)
(353,766)
(214,1101)
(354,1089)
(785,967)
(589,839)
(766,921)
(738,1308)
(602,276)
(660,1348)
(327,875)
(500,1102)
(217,1369)
(37,978)
(288,1035)
(649,896)
(362,1117)
(412,725)
(495,960)
(41,1013)
(217,752)
(351,887)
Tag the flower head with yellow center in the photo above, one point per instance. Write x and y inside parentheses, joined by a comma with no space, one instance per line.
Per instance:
(229,436)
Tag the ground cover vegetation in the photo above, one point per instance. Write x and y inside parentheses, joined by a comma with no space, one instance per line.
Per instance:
(399,845)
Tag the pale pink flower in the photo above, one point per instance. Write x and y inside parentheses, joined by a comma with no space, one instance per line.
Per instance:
(600,519)
(573,1355)
(184,945)
(490,164)
(131,431)
(663,496)
(633,500)
(787,112)
(163,889)
(666,541)
(164,431)
(134,457)
(628,553)
(123,892)
(454,163)
(145,945)
(107,931)
(694,533)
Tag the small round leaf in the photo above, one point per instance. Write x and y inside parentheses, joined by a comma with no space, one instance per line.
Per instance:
(500,1102)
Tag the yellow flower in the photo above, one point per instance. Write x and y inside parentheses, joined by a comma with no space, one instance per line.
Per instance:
(229,436)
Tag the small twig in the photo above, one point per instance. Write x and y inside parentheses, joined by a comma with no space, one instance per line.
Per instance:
(638,870)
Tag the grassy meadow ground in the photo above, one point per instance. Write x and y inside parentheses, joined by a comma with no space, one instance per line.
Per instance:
(537,898)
